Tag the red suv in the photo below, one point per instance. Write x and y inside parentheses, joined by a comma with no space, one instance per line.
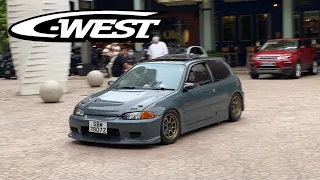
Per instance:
(284,57)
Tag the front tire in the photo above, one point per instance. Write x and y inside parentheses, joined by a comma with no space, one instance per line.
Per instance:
(170,127)
(314,69)
(235,107)
(254,75)
(296,73)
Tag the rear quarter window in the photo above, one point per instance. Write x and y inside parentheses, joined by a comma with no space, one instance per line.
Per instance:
(218,69)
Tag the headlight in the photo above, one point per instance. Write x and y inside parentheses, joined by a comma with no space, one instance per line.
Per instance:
(283,57)
(138,115)
(254,57)
(78,111)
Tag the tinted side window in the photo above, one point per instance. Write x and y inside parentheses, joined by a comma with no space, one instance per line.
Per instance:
(199,75)
(219,70)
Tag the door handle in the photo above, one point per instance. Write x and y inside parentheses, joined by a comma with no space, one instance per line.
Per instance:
(213,90)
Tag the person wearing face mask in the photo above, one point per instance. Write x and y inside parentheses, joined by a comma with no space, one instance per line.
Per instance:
(157,48)
(130,58)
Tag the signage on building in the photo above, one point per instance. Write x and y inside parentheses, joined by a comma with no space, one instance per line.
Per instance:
(171,34)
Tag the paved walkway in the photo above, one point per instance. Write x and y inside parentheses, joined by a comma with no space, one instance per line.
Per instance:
(277,138)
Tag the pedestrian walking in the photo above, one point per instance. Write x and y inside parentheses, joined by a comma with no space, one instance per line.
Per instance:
(157,48)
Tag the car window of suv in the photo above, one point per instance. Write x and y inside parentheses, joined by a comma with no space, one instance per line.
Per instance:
(199,75)
(218,69)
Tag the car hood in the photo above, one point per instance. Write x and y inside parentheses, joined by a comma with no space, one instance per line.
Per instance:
(115,103)
(274,53)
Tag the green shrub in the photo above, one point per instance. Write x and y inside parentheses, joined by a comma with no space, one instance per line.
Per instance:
(214,54)
(4,41)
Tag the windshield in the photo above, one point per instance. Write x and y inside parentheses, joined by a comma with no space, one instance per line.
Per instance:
(152,76)
(280,45)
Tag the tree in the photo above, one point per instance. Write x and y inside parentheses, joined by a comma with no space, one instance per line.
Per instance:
(3,25)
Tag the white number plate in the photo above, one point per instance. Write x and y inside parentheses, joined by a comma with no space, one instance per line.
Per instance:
(267,64)
(98,127)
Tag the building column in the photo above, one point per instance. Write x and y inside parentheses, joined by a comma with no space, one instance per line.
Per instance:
(86,46)
(37,62)
(287,16)
(206,25)
(138,5)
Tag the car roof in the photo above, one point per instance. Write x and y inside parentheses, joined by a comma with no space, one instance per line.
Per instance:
(183,59)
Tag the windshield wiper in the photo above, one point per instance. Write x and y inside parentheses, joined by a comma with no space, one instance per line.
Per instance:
(163,89)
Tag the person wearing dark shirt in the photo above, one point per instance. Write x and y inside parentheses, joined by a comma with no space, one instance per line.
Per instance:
(119,65)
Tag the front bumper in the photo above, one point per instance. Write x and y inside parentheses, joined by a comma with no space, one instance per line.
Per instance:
(272,70)
(119,131)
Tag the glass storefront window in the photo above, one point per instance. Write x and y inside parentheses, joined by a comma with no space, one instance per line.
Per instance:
(263,26)
(228,28)
(245,27)
(311,24)
(216,26)
(173,32)
(296,21)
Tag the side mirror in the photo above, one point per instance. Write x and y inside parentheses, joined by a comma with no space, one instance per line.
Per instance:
(302,47)
(110,83)
(188,86)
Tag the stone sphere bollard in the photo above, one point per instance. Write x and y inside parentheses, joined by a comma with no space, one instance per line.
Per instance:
(51,91)
(95,78)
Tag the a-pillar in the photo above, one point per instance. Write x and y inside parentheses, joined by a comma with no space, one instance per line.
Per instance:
(287,16)
(207,30)
(37,62)
(138,5)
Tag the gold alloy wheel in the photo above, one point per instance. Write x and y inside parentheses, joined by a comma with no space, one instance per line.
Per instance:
(170,126)
(236,106)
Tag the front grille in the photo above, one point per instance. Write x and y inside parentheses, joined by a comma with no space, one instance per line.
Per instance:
(268,57)
(266,67)
(112,133)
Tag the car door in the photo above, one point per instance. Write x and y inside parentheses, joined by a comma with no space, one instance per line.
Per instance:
(304,54)
(196,102)
(223,87)
(310,51)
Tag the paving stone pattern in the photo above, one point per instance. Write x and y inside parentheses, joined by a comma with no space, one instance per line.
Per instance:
(278,138)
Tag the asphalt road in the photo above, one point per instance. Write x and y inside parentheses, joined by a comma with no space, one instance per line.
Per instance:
(277,138)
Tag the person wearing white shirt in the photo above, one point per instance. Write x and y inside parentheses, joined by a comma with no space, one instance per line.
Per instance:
(157,48)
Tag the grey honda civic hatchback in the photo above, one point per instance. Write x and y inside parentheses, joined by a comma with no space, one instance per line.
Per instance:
(158,100)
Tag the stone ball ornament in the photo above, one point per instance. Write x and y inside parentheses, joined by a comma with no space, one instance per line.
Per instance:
(95,78)
(51,91)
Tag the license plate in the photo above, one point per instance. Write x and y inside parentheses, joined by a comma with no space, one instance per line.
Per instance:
(98,127)
(7,72)
(267,64)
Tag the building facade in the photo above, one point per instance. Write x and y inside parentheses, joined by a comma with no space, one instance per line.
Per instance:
(235,22)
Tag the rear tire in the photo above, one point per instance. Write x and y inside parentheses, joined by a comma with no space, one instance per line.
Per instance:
(235,107)
(254,75)
(170,127)
(314,69)
(296,73)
